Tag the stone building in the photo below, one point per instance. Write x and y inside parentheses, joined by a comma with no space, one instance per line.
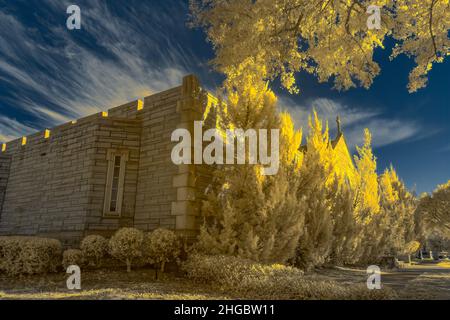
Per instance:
(108,170)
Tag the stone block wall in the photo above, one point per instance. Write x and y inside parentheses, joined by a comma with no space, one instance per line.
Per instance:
(156,170)
(48,184)
(56,179)
(118,135)
(5,162)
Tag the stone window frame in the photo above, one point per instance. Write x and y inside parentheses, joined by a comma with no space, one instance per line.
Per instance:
(111,157)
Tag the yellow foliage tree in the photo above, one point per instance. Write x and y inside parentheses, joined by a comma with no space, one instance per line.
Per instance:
(318,142)
(433,210)
(387,180)
(246,214)
(290,140)
(397,209)
(367,201)
(328,38)
(314,192)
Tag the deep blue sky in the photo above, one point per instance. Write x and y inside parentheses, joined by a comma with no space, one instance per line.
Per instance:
(129,49)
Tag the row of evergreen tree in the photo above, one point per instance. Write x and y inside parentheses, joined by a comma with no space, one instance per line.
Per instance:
(309,214)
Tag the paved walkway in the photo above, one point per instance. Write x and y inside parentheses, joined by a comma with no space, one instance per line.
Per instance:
(424,281)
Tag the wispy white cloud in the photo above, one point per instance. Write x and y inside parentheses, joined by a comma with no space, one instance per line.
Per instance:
(64,78)
(12,128)
(385,130)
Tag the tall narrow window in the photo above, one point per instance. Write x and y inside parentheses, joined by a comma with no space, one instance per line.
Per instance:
(115,183)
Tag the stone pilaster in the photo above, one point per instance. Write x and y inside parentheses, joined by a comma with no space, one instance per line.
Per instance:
(186,208)
(5,163)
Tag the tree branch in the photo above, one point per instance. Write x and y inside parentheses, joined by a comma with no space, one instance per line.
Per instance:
(433,2)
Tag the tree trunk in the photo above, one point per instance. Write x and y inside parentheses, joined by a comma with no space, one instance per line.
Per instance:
(163,265)
(409,258)
(128,265)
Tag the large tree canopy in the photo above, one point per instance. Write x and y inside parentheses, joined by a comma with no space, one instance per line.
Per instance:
(434,209)
(327,38)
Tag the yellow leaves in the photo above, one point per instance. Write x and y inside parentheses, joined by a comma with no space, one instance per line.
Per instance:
(319,146)
(412,247)
(324,4)
(443,187)
(252,93)
(226,186)
(277,267)
(288,131)
(334,160)
(423,35)
(288,81)
(367,138)
(373,38)
(233,98)
(393,175)
(260,38)
(318,138)
(387,180)
(368,187)
(291,140)
(342,163)
(248,100)
(259,25)
(367,179)
(270,97)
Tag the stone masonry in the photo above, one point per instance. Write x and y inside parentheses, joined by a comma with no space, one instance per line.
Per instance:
(54,183)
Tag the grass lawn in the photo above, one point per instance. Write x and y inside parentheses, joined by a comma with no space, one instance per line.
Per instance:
(141,284)
(416,281)
(102,284)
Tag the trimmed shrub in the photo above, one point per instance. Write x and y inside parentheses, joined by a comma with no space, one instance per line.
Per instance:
(94,249)
(257,281)
(161,246)
(29,255)
(72,257)
(126,245)
(229,271)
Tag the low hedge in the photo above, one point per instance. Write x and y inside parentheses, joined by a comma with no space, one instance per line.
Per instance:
(29,255)
(160,247)
(94,248)
(228,271)
(126,245)
(72,257)
(251,280)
